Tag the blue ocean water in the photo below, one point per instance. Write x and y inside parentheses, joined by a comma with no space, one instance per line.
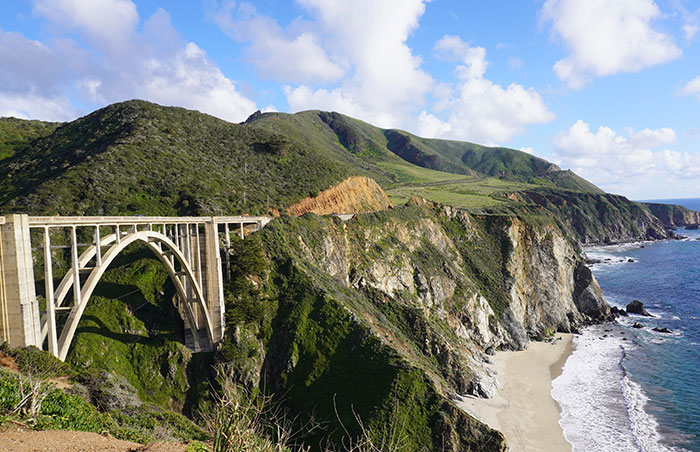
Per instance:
(628,389)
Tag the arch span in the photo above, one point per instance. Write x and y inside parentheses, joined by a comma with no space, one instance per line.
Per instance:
(163,248)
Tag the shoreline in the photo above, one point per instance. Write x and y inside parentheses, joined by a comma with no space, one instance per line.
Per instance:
(523,408)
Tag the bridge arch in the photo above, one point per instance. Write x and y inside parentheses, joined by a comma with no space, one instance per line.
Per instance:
(169,255)
(188,247)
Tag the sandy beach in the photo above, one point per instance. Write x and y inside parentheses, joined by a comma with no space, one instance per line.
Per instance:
(523,408)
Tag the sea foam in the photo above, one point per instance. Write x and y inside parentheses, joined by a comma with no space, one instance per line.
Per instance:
(603,409)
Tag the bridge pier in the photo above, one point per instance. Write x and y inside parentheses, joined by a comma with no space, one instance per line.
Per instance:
(18,304)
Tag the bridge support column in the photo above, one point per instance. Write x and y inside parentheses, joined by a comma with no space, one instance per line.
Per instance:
(214,283)
(19,307)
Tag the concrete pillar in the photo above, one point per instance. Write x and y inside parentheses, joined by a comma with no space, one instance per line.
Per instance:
(21,306)
(214,286)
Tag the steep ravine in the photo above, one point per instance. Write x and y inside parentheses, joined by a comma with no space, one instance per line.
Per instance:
(411,299)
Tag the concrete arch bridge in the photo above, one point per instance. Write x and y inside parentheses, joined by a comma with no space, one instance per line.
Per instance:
(188,247)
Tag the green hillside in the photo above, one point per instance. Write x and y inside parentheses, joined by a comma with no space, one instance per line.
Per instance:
(16,133)
(141,158)
(380,147)
(137,157)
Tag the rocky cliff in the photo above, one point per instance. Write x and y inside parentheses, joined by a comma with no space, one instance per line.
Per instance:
(673,216)
(411,299)
(599,218)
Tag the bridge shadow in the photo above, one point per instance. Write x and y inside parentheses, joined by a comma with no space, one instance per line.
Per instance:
(103,330)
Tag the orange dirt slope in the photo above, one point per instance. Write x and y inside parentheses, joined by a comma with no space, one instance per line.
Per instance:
(353,195)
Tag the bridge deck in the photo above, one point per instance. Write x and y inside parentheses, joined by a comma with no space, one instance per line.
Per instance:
(92,221)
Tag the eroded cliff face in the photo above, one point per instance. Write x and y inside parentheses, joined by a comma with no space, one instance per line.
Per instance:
(599,218)
(412,299)
(354,194)
(674,216)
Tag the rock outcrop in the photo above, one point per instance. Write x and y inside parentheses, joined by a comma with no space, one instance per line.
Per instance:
(637,307)
(674,216)
(600,218)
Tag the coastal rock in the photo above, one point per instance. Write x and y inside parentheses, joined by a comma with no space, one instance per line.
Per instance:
(630,260)
(637,307)
(617,312)
(638,325)
(661,330)
(587,294)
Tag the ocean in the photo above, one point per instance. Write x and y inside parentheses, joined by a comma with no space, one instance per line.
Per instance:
(627,389)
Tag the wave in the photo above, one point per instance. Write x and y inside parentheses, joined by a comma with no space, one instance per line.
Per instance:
(602,408)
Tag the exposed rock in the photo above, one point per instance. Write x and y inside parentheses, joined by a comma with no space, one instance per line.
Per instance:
(630,260)
(661,330)
(617,312)
(673,216)
(588,296)
(637,307)
(638,325)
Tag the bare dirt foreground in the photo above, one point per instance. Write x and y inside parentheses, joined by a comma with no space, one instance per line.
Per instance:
(18,440)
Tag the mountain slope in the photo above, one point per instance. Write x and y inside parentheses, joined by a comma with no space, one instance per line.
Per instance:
(141,158)
(136,157)
(377,145)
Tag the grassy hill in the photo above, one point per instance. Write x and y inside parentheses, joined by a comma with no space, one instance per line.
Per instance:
(458,173)
(136,157)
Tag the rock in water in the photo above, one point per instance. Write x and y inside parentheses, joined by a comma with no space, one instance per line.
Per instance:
(637,307)
(617,312)
(637,325)
(661,330)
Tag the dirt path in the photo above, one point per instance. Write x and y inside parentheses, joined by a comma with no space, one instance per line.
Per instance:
(18,440)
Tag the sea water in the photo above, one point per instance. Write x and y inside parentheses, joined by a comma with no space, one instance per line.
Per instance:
(628,389)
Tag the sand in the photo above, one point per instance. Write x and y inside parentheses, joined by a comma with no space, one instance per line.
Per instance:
(523,408)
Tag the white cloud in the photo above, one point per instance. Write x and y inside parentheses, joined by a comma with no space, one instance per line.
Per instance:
(515,63)
(476,109)
(293,56)
(607,37)
(692,88)
(108,23)
(690,31)
(385,81)
(33,77)
(636,163)
(98,55)
(190,78)
(29,105)
(351,57)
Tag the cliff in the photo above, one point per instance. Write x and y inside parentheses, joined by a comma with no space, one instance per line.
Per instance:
(597,218)
(411,299)
(355,194)
(673,216)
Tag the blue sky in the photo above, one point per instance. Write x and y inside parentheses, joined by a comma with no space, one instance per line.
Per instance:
(610,89)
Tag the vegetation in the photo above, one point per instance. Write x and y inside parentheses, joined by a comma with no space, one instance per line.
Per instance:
(307,310)
(18,133)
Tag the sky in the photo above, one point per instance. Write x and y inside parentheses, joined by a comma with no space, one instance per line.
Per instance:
(607,88)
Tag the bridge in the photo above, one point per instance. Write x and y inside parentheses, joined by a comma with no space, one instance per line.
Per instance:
(188,247)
